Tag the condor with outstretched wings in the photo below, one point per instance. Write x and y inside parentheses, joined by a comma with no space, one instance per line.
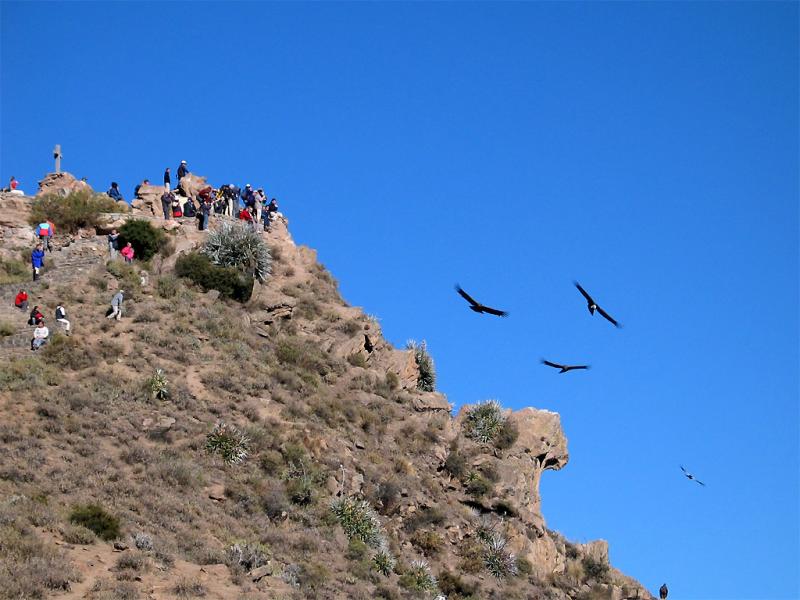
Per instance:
(477,306)
(691,477)
(592,305)
(564,368)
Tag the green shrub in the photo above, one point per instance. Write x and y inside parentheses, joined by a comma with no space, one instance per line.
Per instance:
(456,464)
(93,517)
(78,210)
(14,271)
(453,586)
(594,569)
(229,282)
(237,245)
(147,241)
(7,329)
(167,286)
(127,275)
(477,485)
(485,421)
(79,535)
(427,374)
(247,555)
(430,543)
(227,441)
(507,435)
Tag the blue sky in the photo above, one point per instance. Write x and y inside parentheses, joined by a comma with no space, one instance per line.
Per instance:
(648,150)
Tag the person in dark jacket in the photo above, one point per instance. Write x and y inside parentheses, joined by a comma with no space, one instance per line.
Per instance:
(167,198)
(182,171)
(248,196)
(138,187)
(189,209)
(37,261)
(114,192)
(36,316)
(205,210)
(113,244)
(167,180)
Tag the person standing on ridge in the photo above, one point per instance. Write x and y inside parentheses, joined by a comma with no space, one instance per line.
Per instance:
(183,170)
(167,198)
(116,306)
(167,180)
(113,244)
(37,261)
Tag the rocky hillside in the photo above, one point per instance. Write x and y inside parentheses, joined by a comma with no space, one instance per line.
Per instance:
(279,449)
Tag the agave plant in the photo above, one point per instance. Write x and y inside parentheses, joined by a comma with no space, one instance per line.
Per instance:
(157,385)
(227,441)
(358,520)
(238,245)
(485,421)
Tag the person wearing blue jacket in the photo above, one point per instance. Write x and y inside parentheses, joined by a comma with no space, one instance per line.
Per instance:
(37,260)
(114,192)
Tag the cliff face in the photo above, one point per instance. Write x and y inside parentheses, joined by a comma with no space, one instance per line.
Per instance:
(330,412)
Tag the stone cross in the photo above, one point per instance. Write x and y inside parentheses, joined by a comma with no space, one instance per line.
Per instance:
(57,156)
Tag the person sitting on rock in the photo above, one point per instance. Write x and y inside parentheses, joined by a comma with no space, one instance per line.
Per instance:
(177,212)
(21,300)
(61,317)
(40,335)
(37,261)
(189,209)
(114,192)
(269,213)
(139,186)
(35,316)
(127,253)
(116,306)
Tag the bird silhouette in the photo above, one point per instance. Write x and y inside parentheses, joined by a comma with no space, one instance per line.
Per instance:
(663,591)
(477,306)
(368,346)
(691,477)
(593,306)
(564,368)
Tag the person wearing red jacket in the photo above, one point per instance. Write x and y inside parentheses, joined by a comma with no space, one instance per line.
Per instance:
(21,300)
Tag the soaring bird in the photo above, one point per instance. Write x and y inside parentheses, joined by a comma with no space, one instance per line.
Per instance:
(593,305)
(477,306)
(691,477)
(564,368)
(663,591)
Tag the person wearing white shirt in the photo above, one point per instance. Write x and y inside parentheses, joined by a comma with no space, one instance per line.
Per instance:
(40,335)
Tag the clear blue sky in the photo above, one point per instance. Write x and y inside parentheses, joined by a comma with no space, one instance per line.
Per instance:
(649,150)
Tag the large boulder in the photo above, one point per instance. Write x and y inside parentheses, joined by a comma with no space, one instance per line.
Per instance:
(191,185)
(148,200)
(62,184)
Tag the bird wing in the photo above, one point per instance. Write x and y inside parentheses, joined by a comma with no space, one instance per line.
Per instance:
(466,296)
(552,364)
(584,292)
(700,482)
(685,472)
(494,311)
(577,367)
(607,316)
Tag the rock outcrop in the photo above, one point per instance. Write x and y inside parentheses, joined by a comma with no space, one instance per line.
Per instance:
(62,184)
